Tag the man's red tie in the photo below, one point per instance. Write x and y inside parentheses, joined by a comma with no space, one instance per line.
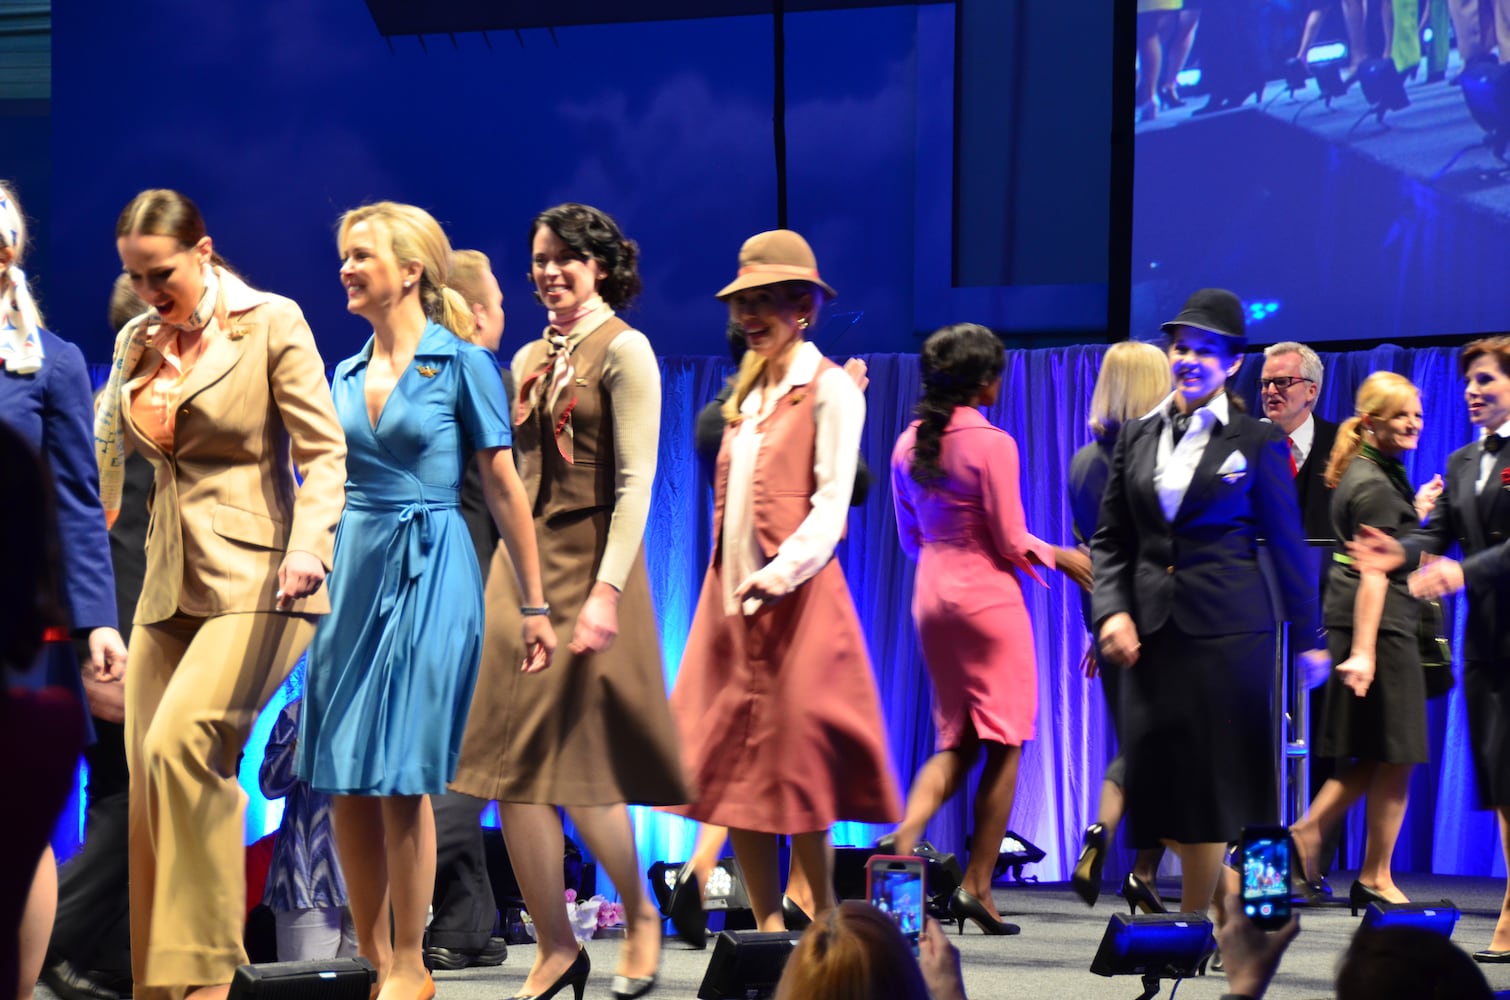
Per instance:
(1294,469)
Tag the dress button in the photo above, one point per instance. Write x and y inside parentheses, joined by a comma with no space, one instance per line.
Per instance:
(1169,570)
(184,412)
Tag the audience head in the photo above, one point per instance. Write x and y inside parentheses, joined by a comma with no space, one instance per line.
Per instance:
(856,952)
(961,366)
(28,585)
(576,252)
(1300,372)
(1408,963)
(1205,344)
(12,227)
(472,276)
(389,251)
(1134,376)
(1386,415)
(774,299)
(1486,369)
(165,252)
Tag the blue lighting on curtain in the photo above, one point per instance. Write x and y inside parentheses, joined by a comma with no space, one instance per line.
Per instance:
(1043,406)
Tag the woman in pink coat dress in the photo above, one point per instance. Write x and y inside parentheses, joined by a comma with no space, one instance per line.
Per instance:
(959,515)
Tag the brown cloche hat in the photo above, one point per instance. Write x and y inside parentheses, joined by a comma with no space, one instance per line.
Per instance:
(772,257)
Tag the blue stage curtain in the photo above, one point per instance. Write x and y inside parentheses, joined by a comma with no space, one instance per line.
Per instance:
(1043,405)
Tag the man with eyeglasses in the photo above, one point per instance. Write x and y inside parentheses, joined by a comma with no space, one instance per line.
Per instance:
(1288,388)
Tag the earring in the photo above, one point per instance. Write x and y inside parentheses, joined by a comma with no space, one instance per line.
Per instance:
(802,322)
(407,284)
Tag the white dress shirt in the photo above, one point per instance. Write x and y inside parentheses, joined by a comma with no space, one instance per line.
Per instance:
(1175,465)
(1486,460)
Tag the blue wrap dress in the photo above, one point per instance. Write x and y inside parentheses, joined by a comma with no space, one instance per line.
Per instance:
(392,666)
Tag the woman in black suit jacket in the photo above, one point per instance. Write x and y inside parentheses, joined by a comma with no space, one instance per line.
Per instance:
(1179,600)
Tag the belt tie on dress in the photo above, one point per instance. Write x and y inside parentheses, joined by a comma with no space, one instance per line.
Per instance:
(408,551)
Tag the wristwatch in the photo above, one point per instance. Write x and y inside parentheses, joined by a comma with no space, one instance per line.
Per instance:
(534,609)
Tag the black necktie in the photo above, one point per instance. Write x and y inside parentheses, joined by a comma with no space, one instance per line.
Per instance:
(1493,443)
(1178,424)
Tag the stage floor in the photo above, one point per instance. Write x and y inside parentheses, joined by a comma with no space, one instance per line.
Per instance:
(1052,955)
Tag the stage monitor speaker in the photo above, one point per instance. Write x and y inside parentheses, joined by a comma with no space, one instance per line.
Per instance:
(746,965)
(1155,946)
(1439,917)
(322,979)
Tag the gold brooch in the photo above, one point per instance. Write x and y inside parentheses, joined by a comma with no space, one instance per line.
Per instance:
(235,333)
(797,397)
(428,371)
(581,381)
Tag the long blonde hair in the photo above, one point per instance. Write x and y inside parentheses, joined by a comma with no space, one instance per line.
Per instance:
(1134,376)
(1381,396)
(416,237)
(752,365)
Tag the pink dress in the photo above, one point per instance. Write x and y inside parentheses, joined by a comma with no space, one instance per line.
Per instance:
(968,537)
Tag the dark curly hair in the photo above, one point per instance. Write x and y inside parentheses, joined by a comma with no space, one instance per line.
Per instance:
(957,361)
(592,233)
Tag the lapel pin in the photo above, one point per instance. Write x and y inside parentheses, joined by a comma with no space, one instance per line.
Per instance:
(428,371)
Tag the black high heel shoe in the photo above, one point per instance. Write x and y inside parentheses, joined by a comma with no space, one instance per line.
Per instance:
(963,906)
(1169,98)
(1086,879)
(1360,895)
(1141,896)
(685,908)
(793,916)
(575,976)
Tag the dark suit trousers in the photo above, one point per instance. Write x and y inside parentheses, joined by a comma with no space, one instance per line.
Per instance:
(92,929)
(465,911)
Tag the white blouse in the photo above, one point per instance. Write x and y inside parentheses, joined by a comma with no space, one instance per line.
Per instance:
(839,411)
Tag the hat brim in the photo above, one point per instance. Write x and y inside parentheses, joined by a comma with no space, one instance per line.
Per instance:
(1174,324)
(756,279)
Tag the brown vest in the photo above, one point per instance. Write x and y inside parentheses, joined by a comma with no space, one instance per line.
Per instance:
(781,495)
(555,486)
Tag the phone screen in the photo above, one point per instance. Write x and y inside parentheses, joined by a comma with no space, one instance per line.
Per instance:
(1266,876)
(895,887)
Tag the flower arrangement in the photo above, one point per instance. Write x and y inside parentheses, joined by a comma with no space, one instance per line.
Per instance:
(587,916)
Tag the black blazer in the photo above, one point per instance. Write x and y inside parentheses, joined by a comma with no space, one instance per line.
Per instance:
(1480,525)
(1310,482)
(1201,572)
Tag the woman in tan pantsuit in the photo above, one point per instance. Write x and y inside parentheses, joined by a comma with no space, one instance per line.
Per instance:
(220,385)
(593,732)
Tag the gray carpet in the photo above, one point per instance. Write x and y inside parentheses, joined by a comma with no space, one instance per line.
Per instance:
(1052,955)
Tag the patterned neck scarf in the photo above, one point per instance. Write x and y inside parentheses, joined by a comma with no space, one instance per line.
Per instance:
(20,324)
(556,377)
(147,330)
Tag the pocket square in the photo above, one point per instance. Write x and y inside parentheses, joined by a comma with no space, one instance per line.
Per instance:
(1234,468)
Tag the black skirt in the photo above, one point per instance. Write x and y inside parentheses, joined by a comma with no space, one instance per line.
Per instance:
(1389,723)
(1198,737)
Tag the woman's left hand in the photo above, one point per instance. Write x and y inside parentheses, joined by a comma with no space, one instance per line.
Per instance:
(598,621)
(1074,563)
(1426,497)
(539,643)
(300,575)
(764,585)
(107,654)
(1358,672)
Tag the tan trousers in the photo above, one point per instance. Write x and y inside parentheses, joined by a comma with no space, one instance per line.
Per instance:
(194,687)
(1480,26)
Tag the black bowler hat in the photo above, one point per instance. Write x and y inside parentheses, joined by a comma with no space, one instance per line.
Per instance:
(1216,310)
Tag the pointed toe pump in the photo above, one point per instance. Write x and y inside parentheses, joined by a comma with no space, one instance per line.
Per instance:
(1086,879)
(963,906)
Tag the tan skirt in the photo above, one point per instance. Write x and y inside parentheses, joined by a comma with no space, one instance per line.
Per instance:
(590,730)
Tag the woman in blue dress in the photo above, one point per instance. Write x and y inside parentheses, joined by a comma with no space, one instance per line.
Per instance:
(391,670)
